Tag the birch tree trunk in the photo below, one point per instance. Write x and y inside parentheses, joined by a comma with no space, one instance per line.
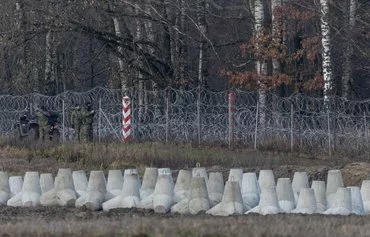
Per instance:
(261,65)
(276,33)
(203,28)
(182,43)
(122,76)
(48,77)
(138,36)
(150,37)
(326,55)
(347,68)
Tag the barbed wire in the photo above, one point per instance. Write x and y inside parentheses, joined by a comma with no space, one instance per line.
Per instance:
(201,115)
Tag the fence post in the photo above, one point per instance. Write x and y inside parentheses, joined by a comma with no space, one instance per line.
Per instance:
(167,114)
(63,122)
(256,128)
(126,119)
(198,118)
(365,128)
(231,98)
(99,121)
(291,127)
(329,133)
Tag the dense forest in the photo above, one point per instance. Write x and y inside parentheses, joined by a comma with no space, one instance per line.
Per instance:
(317,47)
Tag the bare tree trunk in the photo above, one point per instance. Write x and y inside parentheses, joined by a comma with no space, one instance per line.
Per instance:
(150,37)
(138,37)
(276,33)
(123,77)
(182,43)
(326,55)
(261,65)
(48,77)
(347,69)
(203,28)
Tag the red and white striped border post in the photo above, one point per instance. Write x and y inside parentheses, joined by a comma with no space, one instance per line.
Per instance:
(126,119)
(232,98)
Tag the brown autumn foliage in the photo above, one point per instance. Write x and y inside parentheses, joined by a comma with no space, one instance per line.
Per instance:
(295,45)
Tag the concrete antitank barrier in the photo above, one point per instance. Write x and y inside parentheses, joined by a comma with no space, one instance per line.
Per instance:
(15,184)
(46,182)
(266,179)
(80,182)
(95,194)
(300,180)
(236,175)
(198,196)
(131,190)
(306,202)
(268,204)
(341,204)
(147,189)
(365,194)
(4,188)
(232,202)
(163,192)
(114,184)
(200,172)
(63,193)
(182,185)
(31,191)
(285,195)
(149,180)
(216,187)
(356,200)
(197,200)
(250,191)
(334,182)
(320,195)
(130,195)
(130,172)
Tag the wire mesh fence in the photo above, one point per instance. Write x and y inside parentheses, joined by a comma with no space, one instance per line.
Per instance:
(203,116)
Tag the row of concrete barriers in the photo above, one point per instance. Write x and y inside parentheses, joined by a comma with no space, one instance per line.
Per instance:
(195,191)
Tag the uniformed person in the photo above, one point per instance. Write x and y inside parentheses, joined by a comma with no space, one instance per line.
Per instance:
(76,119)
(43,122)
(87,123)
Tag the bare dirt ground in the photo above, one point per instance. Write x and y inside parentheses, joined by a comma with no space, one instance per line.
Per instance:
(58,221)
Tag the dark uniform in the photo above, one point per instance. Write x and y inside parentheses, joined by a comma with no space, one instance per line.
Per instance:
(87,123)
(76,118)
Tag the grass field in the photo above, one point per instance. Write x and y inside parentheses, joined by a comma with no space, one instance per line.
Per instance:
(57,221)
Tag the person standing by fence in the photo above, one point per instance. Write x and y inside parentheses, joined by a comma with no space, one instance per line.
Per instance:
(76,118)
(87,123)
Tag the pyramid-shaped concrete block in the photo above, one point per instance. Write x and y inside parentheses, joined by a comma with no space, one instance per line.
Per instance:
(80,182)
(46,182)
(285,195)
(250,191)
(341,203)
(182,185)
(15,184)
(365,194)
(4,188)
(356,200)
(149,181)
(216,187)
(95,193)
(114,184)
(300,180)
(232,201)
(306,202)
(334,182)
(266,179)
(320,195)
(163,192)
